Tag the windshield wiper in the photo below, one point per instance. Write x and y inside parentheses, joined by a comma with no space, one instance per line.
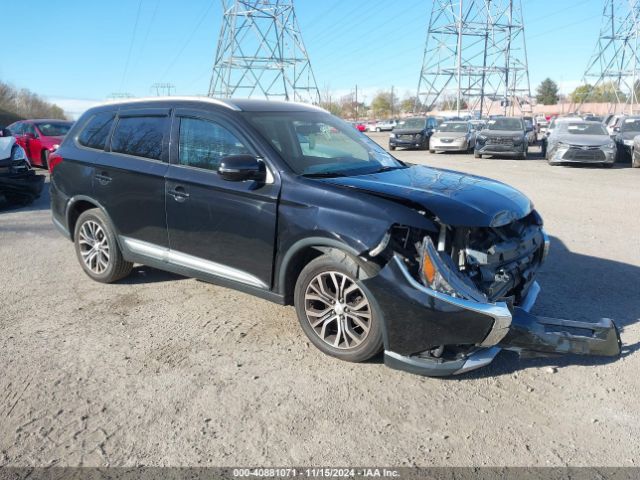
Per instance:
(323,175)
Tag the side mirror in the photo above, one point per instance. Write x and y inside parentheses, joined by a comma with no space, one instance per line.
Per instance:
(238,168)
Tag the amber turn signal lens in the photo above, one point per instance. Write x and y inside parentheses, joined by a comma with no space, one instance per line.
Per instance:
(428,269)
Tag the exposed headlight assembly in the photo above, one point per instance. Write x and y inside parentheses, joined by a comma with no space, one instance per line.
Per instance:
(609,146)
(439,273)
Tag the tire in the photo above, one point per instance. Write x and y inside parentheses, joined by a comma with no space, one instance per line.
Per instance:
(44,159)
(392,148)
(378,130)
(328,270)
(107,264)
(607,165)
(635,163)
(432,151)
(477,155)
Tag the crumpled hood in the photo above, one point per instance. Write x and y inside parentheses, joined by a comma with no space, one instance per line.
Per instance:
(455,198)
(6,144)
(584,140)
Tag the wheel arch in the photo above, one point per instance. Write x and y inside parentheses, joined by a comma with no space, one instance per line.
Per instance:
(77,206)
(300,254)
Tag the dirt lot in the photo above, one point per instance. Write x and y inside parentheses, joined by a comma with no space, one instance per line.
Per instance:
(161,370)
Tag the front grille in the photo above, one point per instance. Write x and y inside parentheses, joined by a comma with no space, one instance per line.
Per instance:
(500,141)
(406,137)
(591,154)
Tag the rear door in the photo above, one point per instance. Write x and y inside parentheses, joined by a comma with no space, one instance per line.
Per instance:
(222,228)
(129,180)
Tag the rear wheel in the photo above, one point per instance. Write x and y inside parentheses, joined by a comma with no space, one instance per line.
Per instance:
(335,309)
(378,130)
(97,248)
(477,155)
(44,159)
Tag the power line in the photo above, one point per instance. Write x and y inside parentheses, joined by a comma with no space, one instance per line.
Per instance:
(203,17)
(133,37)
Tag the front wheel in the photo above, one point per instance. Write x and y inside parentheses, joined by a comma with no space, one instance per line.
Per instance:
(97,248)
(635,162)
(477,155)
(335,309)
(392,147)
(378,130)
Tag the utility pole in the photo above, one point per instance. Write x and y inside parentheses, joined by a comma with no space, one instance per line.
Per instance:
(613,68)
(475,52)
(356,102)
(163,89)
(392,102)
(261,53)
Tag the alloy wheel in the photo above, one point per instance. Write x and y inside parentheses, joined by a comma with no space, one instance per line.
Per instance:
(337,310)
(94,246)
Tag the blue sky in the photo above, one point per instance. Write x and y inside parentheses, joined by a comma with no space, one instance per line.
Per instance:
(77,52)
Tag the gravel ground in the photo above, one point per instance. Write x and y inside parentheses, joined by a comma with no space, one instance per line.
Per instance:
(161,370)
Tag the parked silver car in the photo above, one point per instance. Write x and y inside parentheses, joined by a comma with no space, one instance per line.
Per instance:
(581,142)
(453,137)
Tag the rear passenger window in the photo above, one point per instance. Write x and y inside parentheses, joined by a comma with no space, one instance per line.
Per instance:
(139,136)
(95,133)
(203,143)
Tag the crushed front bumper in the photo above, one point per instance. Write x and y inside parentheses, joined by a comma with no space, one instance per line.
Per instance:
(22,188)
(417,318)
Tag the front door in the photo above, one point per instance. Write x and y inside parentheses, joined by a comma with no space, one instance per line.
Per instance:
(217,227)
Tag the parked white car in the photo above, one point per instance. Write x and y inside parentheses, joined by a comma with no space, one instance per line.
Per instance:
(453,137)
(382,126)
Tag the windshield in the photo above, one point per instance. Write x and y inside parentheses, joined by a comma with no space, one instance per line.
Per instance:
(630,125)
(583,129)
(453,127)
(505,124)
(319,144)
(413,123)
(54,129)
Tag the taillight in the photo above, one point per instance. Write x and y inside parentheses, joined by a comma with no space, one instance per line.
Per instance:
(54,160)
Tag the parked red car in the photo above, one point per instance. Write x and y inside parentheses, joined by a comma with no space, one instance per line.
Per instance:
(361,127)
(39,138)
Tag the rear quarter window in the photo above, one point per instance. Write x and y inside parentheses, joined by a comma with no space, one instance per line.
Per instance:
(139,136)
(96,131)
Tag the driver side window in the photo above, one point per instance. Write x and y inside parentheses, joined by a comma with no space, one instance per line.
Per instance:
(203,143)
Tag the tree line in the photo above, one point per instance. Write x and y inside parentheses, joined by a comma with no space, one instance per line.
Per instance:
(17,104)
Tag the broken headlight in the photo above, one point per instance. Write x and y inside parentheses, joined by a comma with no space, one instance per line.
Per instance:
(439,273)
(18,153)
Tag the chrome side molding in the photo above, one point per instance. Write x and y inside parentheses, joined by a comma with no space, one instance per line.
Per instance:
(185,260)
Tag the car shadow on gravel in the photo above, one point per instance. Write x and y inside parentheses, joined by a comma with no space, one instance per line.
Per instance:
(141,275)
(578,287)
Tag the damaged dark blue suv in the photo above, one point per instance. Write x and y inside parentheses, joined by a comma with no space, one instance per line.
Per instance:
(286,202)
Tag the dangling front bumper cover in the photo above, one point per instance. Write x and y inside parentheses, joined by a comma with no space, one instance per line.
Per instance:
(417,318)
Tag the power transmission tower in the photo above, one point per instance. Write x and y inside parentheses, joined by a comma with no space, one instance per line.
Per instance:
(163,89)
(261,53)
(613,69)
(475,57)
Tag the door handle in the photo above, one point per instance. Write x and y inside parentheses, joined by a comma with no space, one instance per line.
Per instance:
(179,194)
(103,178)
